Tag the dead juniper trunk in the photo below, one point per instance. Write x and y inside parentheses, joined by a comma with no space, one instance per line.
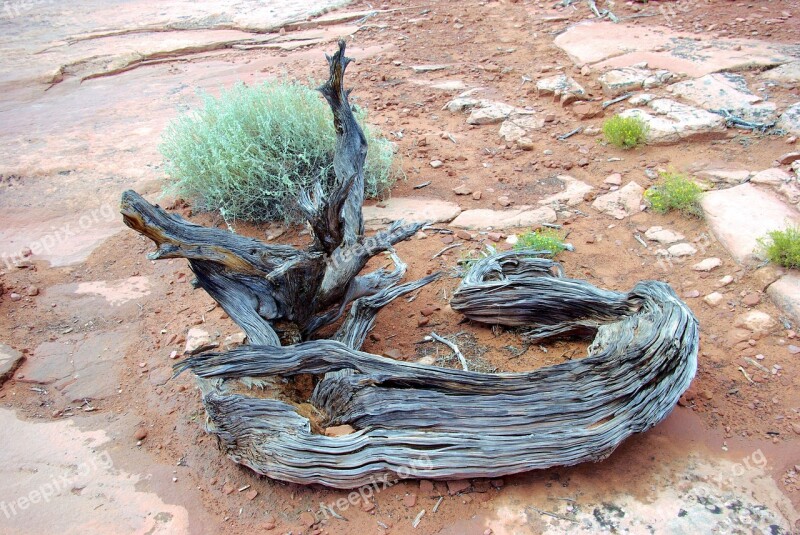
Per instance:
(413,420)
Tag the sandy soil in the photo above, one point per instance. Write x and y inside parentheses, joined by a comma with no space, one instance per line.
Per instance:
(724,418)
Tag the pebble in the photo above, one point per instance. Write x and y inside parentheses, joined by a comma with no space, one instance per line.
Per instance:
(691,293)
(251,494)
(751,299)
(682,249)
(270,523)
(428,310)
(422,322)
(463,235)
(614,179)
(789,157)
(504,201)
(32,291)
(707,265)
(367,506)
(462,189)
(495,236)
(426,487)
(447,239)
(454,487)
(410,500)
(726,280)
(791,140)
(14,296)
(793,349)
(307,519)
(714,298)
(436,164)
(140,434)
(476,195)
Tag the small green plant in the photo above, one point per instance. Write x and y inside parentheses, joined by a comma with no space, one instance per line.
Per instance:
(625,132)
(248,152)
(782,247)
(543,240)
(675,192)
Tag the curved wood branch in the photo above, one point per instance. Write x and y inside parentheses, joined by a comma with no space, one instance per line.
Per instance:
(462,424)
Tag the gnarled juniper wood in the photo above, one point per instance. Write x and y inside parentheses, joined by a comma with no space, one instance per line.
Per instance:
(413,419)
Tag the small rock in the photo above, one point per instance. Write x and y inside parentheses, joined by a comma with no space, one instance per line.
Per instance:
(550,117)
(14,296)
(614,179)
(367,506)
(756,322)
(251,494)
(447,239)
(724,281)
(463,235)
(422,322)
(307,519)
(140,434)
(427,310)
(525,143)
(751,299)
(681,249)
(714,298)
(497,483)
(662,235)
(771,177)
(227,489)
(32,291)
(454,487)
(789,157)
(707,265)
(691,294)
(426,487)
(270,523)
(793,349)
(585,110)
(707,394)
(476,195)
(796,429)
(462,189)
(196,340)
(503,201)
(436,164)
(410,500)
(621,203)
(495,236)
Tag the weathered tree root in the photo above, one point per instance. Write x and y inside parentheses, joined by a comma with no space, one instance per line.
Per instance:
(436,423)
(414,420)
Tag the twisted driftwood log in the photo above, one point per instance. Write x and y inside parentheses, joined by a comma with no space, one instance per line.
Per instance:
(412,419)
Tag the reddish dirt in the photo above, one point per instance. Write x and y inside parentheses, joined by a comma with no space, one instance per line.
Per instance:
(488,44)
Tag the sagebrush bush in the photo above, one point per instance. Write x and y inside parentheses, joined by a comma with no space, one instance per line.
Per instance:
(782,247)
(625,132)
(248,152)
(544,240)
(675,192)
